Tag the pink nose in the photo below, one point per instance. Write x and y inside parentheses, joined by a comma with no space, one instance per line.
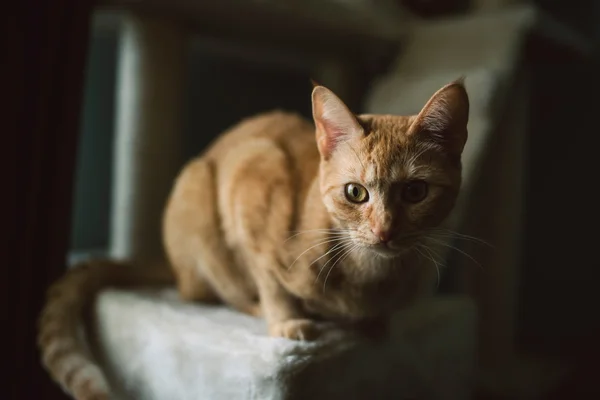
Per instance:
(382,234)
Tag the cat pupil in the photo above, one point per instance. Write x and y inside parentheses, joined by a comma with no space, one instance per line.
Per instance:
(414,192)
(356,193)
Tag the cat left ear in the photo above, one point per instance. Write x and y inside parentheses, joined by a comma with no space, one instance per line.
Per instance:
(334,122)
(445,116)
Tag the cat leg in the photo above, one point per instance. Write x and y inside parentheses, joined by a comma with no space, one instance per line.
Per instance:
(264,208)
(194,287)
(201,260)
(283,313)
(215,271)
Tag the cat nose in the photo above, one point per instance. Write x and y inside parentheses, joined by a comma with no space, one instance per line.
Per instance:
(382,234)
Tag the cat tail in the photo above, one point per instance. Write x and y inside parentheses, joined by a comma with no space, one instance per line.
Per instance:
(64,350)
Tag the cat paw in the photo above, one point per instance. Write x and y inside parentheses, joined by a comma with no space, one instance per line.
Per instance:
(295,329)
(255,310)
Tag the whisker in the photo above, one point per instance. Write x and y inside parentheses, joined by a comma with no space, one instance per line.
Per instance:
(338,251)
(450,233)
(322,230)
(312,247)
(432,259)
(341,238)
(457,249)
(338,260)
(416,247)
(337,246)
(330,232)
(435,255)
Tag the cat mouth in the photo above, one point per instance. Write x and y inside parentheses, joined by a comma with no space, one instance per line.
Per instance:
(395,248)
(385,250)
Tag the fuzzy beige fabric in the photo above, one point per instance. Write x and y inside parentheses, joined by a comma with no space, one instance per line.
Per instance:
(156,348)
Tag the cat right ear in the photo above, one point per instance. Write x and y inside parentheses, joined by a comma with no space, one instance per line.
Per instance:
(334,122)
(445,117)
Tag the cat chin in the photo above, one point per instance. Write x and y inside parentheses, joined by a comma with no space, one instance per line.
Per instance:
(388,254)
(385,251)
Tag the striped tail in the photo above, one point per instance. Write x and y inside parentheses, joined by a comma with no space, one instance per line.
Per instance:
(64,351)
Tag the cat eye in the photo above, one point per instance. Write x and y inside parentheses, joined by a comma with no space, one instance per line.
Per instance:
(415,191)
(356,193)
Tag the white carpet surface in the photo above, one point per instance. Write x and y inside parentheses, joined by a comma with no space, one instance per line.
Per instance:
(163,349)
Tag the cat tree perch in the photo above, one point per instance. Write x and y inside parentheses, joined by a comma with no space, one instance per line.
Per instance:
(156,347)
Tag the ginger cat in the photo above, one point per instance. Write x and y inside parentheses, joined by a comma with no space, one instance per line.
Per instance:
(290,221)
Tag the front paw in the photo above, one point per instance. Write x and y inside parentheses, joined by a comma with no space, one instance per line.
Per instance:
(295,329)
(253,309)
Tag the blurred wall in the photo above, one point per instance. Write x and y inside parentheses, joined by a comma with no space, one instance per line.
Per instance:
(560,267)
(221,90)
(94,159)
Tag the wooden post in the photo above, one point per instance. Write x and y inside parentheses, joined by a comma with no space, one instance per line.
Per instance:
(148,133)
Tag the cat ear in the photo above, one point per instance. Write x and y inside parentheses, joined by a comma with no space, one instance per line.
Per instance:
(445,116)
(334,122)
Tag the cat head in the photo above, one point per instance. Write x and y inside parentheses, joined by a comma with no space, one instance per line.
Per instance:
(386,179)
